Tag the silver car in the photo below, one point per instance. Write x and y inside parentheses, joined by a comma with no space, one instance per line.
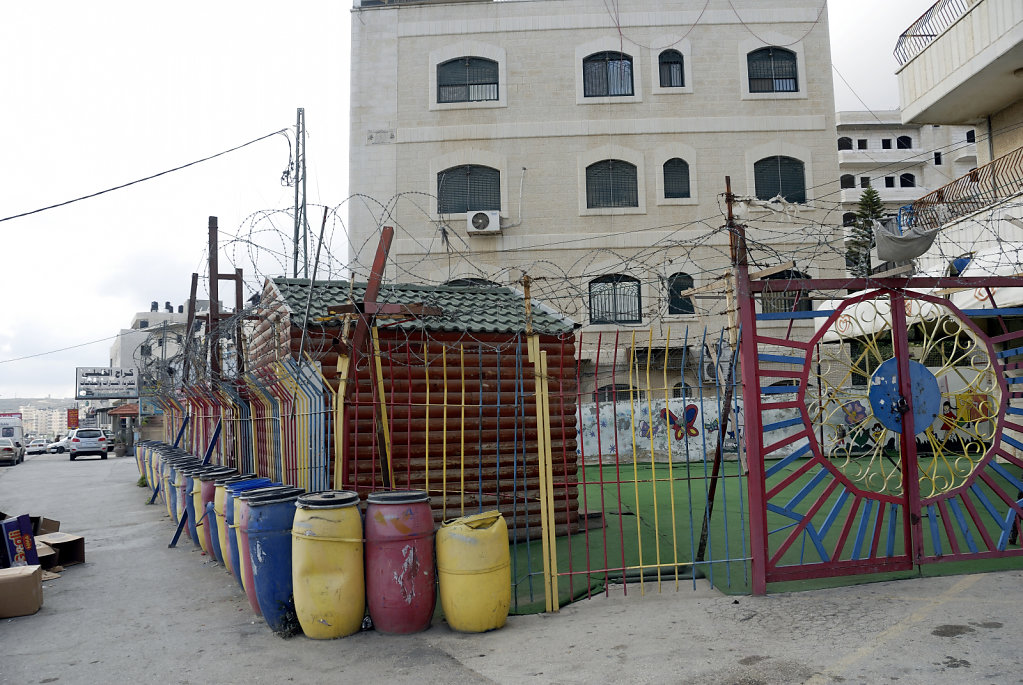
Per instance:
(87,441)
(10,452)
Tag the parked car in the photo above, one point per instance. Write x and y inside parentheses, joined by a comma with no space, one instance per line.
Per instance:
(87,441)
(10,452)
(60,446)
(109,435)
(36,447)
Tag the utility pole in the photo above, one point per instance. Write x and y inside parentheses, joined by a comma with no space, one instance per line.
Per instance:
(301,229)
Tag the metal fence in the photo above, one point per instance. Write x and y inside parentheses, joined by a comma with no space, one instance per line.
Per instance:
(614,456)
(929,26)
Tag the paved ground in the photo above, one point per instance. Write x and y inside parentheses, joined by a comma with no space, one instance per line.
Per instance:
(139,612)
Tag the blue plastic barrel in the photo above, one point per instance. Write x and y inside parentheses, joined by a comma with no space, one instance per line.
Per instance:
(269,532)
(232,490)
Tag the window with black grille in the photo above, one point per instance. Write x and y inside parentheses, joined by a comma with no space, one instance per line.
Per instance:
(847,181)
(772,70)
(607,74)
(469,187)
(904,143)
(907,181)
(467,79)
(676,178)
(611,183)
(671,69)
(780,175)
(615,298)
(678,283)
(785,300)
(845,143)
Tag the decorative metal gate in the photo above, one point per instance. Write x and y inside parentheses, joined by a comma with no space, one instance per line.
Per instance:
(885,439)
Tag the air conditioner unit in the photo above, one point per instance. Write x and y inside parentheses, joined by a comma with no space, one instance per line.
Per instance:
(483,222)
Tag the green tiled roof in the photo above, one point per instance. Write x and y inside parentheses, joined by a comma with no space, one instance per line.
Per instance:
(471,309)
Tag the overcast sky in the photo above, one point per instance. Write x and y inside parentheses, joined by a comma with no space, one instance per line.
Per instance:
(103,93)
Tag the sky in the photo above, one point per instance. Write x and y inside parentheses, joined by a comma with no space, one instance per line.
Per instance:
(102,94)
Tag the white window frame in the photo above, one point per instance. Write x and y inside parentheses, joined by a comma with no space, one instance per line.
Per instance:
(599,154)
(776,40)
(609,44)
(469,48)
(669,43)
(682,151)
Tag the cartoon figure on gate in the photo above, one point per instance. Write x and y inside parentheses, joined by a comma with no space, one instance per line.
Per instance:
(681,431)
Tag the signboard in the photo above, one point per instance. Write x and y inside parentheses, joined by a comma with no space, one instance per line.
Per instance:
(72,419)
(106,383)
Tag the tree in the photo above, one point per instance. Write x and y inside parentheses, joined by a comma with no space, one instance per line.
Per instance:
(861,238)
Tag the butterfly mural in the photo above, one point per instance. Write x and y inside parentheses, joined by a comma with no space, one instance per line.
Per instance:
(683,429)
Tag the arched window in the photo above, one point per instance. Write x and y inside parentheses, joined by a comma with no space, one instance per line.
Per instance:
(676,178)
(672,74)
(680,389)
(615,298)
(677,284)
(849,218)
(845,143)
(467,79)
(847,181)
(903,143)
(468,187)
(611,183)
(907,181)
(617,392)
(780,176)
(772,70)
(607,74)
(786,300)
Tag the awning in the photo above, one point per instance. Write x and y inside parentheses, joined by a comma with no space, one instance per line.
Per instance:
(868,317)
(125,410)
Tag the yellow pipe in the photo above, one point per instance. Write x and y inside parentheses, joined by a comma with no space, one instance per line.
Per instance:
(383,404)
(653,463)
(671,473)
(635,464)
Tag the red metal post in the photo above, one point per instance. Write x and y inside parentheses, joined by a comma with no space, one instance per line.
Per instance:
(907,440)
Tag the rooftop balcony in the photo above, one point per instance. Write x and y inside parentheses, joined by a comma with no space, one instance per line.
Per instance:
(983,187)
(961,61)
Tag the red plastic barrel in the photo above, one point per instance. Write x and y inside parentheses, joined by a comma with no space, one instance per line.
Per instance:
(400,573)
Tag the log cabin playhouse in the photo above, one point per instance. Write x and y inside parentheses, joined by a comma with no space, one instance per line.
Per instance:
(443,395)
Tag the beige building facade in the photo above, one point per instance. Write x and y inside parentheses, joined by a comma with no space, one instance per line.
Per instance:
(595,140)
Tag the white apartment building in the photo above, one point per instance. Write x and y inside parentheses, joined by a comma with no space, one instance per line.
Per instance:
(586,145)
(902,162)
(962,64)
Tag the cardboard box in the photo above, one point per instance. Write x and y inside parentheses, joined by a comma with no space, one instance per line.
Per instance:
(21,590)
(48,557)
(70,549)
(42,525)
(18,543)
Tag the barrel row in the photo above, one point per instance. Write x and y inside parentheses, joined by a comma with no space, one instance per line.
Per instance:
(318,563)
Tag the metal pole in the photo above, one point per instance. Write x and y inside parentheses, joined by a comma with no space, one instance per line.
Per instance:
(214,318)
(298,138)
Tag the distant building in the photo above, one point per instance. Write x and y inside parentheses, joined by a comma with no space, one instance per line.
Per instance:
(902,162)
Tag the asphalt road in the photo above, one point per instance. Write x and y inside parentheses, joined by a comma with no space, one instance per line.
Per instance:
(140,612)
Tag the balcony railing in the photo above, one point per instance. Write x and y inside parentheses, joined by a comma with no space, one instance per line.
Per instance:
(984,186)
(929,26)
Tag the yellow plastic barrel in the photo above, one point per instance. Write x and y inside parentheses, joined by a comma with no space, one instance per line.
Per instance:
(200,518)
(474,572)
(327,565)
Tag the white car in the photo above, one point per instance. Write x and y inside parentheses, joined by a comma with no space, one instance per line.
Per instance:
(37,447)
(87,441)
(59,446)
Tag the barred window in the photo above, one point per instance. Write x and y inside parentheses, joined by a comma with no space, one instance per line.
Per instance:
(617,392)
(786,300)
(672,74)
(772,70)
(615,298)
(469,187)
(847,181)
(907,181)
(467,79)
(849,218)
(611,183)
(677,303)
(903,143)
(607,73)
(780,176)
(845,143)
(676,178)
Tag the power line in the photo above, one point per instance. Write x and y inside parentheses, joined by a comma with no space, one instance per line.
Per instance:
(147,178)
